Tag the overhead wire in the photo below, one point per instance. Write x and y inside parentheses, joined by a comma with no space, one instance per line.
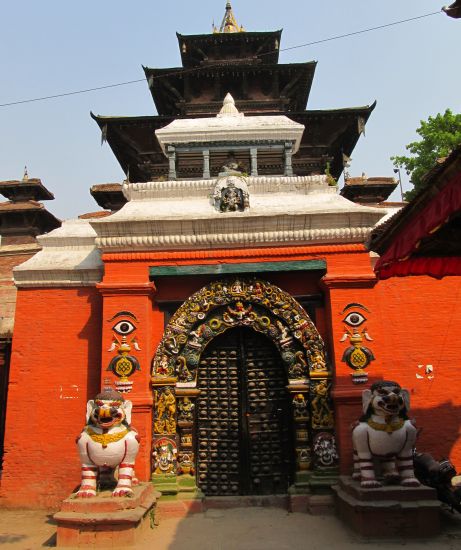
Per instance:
(207,67)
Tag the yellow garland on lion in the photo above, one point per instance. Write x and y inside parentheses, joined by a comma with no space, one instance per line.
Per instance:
(105,439)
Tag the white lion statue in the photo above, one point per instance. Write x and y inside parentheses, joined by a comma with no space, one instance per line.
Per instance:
(384,434)
(108,442)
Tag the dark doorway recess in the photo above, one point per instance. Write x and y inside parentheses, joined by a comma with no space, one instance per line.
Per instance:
(244,426)
(5,352)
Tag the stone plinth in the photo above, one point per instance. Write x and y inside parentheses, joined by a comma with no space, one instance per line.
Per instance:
(390,511)
(104,521)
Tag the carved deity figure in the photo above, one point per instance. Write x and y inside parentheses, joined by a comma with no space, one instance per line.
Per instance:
(165,422)
(108,442)
(322,415)
(231,194)
(164,454)
(325,449)
(300,407)
(185,410)
(231,198)
(384,433)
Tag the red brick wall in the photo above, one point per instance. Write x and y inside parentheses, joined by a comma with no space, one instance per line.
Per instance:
(7,288)
(55,368)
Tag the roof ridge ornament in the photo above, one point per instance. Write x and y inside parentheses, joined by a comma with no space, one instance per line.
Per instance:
(229,23)
(229,109)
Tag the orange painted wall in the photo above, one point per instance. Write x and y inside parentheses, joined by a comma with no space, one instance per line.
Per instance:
(420,324)
(55,368)
(136,299)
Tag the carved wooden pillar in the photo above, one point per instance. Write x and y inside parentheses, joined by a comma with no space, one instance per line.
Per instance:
(254,161)
(299,395)
(172,162)
(206,164)
(288,156)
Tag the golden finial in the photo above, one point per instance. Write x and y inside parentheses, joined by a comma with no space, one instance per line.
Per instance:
(25,177)
(229,23)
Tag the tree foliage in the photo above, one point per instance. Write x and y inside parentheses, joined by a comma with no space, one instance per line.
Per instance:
(440,135)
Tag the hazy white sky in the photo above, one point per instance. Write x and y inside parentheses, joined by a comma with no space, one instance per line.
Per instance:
(54,46)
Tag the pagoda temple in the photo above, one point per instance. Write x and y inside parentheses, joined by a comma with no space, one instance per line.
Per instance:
(245,65)
(236,278)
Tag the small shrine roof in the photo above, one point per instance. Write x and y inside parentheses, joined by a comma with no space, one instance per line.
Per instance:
(93,215)
(23,205)
(368,190)
(31,188)
(230,126)
(108,195)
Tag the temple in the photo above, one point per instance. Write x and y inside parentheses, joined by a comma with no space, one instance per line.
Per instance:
(245,65)
(228,292)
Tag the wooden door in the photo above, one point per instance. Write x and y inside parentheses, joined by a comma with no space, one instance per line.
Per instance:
(244,427)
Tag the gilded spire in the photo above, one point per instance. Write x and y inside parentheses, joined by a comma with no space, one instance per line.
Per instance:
(229,23)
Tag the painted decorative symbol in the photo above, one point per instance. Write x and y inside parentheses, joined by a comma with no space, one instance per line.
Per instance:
(356,356)
(123,366)
(427,372)
(124,328)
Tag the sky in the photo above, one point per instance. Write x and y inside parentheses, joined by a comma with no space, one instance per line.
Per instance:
(49,47)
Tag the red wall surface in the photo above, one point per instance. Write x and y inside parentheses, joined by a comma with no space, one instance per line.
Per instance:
(62,336)
(55,368)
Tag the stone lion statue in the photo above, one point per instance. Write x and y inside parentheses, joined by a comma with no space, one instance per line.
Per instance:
(385,435)
(108,442)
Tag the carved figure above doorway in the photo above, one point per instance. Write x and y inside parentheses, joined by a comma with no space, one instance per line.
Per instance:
(239,302)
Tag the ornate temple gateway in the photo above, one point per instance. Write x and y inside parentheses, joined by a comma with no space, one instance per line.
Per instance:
(229,295)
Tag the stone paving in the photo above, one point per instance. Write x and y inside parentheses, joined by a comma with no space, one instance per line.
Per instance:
(231,529)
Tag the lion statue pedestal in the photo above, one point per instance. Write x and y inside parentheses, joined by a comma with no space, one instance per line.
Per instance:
(106,511)
(383,498)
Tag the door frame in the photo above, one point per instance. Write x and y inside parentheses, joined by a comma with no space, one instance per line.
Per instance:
(211,311)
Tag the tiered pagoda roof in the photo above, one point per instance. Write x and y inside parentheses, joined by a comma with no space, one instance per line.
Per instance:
(22,216)
(244,64)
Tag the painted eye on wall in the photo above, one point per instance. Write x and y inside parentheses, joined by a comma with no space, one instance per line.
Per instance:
(124,327)
(354,319)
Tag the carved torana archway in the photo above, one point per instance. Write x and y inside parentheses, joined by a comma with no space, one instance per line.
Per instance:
(211,311)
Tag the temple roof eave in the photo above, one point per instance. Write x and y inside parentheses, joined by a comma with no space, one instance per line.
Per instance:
(210,37)
(267,40)
(132,139)
(298,93)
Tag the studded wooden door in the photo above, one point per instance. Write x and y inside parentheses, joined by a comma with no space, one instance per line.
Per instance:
(244,431)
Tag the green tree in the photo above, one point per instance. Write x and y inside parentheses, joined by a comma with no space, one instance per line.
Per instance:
(440,135)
